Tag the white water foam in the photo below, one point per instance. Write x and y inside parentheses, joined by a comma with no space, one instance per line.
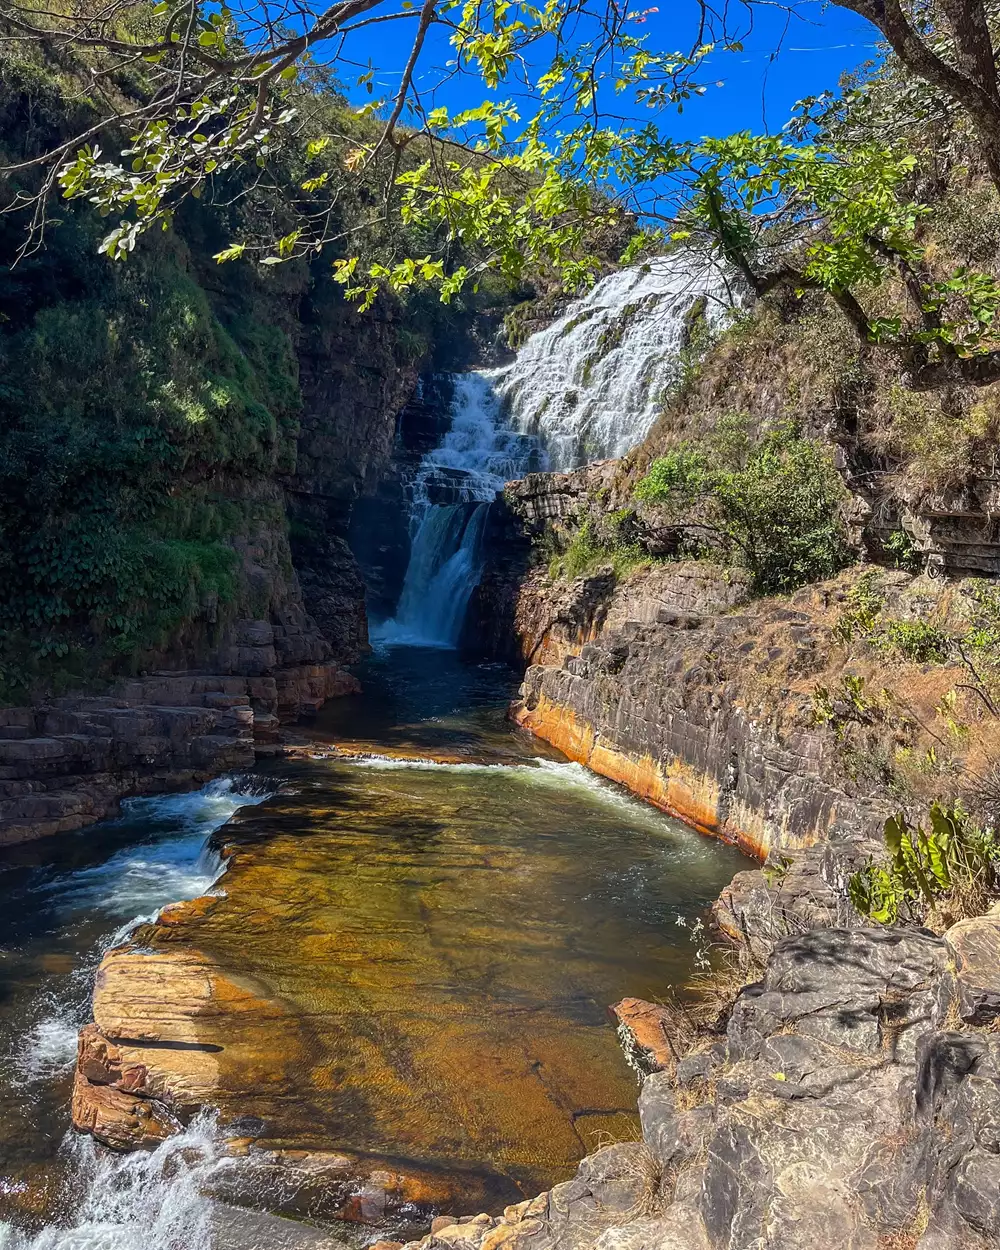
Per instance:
(140,1201)
(174,863)
(141,879)
(449,499)
(590,385)
(49,1047)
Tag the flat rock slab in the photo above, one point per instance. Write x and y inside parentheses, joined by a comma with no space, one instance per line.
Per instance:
(976,944)
(236,1229)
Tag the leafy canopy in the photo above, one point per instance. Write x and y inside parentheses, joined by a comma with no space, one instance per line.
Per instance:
(566,150)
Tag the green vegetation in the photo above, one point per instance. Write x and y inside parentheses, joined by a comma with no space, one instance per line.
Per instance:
(850,702)
(770,502)
(946,871)
(921,641)
(865,601)
(596,545)
(147,409)
(530,183)
(134,422)
(975,634)
(900,548)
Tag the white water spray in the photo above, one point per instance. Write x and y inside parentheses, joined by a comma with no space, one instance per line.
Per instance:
(590,385)
(140,1201)
(450,497)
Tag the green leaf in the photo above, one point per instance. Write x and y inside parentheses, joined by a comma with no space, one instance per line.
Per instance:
(233,252)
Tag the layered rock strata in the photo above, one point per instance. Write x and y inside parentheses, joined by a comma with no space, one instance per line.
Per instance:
(704,711)
(67,762)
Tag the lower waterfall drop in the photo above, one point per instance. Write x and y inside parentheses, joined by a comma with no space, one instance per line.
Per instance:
(450,500)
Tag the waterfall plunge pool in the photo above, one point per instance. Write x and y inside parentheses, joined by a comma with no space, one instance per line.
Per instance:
(437,945)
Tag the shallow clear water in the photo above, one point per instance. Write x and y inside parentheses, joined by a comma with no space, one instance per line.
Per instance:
(444,939)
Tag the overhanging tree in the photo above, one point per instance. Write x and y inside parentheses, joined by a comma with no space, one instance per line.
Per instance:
(526,178)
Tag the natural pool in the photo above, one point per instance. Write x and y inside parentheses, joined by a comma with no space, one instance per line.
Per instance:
(434,946)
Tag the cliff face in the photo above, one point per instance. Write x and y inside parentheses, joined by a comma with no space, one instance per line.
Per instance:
(179,463)
(664,688)
(354,380)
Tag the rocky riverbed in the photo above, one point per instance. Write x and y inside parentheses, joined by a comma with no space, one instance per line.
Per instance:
(849,1098)
(395,1000)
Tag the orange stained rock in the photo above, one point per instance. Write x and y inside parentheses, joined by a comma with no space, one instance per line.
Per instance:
(677,788)
(649,1024)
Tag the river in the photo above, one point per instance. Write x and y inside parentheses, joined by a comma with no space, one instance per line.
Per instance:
(454,903)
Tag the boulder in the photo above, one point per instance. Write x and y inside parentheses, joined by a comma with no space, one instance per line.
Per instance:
(645,1031)
(976,946)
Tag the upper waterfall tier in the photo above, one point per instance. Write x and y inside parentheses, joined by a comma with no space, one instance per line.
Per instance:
(590,385)
(476,457)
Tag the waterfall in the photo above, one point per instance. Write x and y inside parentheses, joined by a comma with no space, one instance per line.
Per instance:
(587,387)
(450,498)
(590,385)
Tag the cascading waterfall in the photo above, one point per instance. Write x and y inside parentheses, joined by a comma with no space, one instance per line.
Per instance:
(590,385)
(587,387)
(450,498)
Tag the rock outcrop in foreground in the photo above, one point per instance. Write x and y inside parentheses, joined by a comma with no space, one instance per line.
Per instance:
(851,1101)
(850,1096)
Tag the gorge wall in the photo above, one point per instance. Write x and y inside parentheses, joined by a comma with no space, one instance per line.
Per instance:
(179,460)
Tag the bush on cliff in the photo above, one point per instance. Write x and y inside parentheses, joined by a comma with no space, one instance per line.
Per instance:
(599,543)
(771,502)
(937,875)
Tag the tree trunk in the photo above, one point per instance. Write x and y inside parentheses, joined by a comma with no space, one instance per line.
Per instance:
(971,84)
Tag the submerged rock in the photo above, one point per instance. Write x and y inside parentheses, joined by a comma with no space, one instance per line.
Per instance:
(836,1110)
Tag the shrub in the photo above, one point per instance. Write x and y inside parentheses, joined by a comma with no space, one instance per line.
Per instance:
(599,545)
(901,549)
(682,474)
(773,502)
(865,601)
(920,641)
(950,869)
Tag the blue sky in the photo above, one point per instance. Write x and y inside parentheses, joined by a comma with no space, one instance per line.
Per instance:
(782,61)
